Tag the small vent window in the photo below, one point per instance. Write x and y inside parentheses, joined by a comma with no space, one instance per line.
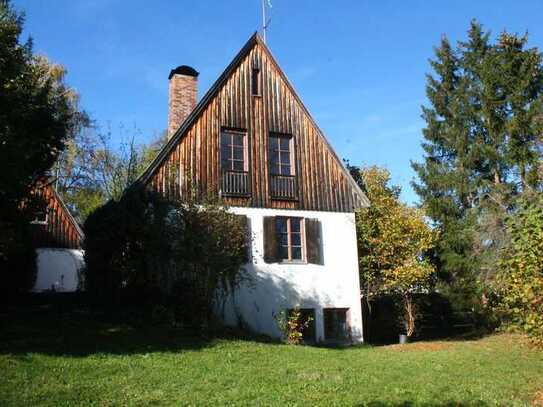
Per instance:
(41,215)
(255,82)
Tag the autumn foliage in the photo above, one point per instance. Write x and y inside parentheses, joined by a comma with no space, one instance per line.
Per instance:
(520,276)
(393,239)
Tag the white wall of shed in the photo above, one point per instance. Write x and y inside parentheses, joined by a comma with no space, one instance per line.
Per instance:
(58,268)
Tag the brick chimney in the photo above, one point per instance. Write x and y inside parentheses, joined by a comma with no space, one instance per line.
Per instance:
(182,96)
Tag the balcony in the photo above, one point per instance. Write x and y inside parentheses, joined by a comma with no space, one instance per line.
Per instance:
(283,187)
(235,183)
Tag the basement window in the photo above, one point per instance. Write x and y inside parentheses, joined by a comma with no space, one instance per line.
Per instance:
(255,82)
(336,324)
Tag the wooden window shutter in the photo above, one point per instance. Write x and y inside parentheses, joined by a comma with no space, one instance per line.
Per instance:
(313,241)
(245,224)
(243,221)
(270,240)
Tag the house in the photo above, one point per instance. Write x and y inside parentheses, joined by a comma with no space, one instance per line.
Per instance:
(57,239)
(251,142)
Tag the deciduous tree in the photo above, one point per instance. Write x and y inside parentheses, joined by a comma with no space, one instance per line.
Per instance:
(91,171)
(393,240)
(38,114)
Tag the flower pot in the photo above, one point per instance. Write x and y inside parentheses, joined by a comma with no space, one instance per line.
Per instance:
(403,339)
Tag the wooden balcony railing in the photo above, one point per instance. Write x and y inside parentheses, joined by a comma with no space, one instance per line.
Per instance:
(283,186)
(235,183)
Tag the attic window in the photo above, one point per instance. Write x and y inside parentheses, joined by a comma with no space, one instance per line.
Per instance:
(255,82)
(281,154)
(234,163)
(40,214)
(233,150)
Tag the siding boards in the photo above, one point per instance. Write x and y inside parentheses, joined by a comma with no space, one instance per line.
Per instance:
(60,231)
(321,180)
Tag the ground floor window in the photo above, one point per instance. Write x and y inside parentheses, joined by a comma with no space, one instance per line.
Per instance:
(289,232)
(336,323)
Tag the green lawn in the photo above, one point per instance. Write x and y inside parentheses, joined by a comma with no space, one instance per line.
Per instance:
(47,359)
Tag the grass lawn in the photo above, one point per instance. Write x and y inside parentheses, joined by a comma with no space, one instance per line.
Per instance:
(55,359)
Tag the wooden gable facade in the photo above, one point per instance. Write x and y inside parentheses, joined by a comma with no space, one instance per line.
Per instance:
(254,99)
(54,226)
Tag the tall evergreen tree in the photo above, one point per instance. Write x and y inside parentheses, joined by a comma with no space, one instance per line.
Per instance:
(482,148)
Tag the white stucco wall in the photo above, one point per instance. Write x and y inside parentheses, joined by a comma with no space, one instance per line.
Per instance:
(275,287)
(59,268)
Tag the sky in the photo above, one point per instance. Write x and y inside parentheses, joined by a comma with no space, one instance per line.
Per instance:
(359,65)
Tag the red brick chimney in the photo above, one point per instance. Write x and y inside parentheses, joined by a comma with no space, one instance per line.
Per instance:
(182,96)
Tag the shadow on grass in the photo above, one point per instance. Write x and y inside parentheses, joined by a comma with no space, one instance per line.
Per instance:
(60,325)
(452,337)
(408,403)
(79,331)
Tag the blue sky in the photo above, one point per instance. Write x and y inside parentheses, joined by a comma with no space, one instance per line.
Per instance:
(359,65)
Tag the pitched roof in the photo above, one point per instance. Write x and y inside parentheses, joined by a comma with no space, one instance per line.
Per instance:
(213,91)
(45,187)
(74,222)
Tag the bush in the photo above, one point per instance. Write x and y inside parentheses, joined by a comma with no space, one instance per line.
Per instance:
(520,280)
(17,253)
(292,324)
(144,249)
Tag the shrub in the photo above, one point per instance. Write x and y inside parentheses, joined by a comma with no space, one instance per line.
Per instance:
(520,280)
(292,324)
(17,255)
(181,254)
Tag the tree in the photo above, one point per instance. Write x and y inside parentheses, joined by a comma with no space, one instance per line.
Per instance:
(90,171)
(482,144)
(393,241)
(39,113)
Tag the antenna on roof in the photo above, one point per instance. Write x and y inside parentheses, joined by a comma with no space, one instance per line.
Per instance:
(265,21)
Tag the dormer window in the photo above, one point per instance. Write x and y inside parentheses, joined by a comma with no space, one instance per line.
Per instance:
(255,82)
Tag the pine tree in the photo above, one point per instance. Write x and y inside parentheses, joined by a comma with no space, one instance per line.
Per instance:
(446,188)
(482,148)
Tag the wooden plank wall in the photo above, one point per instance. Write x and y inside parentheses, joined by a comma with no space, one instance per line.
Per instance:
(194,163)
(60,231)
